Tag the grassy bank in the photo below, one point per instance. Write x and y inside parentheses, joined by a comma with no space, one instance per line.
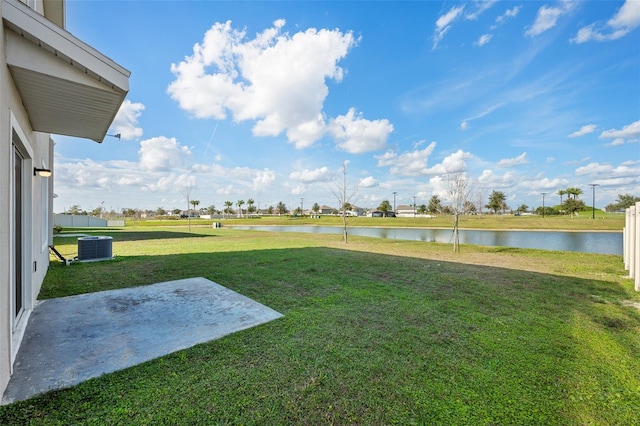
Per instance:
(374,332)
(605,222)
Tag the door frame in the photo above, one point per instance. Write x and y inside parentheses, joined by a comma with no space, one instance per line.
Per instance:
(18,320)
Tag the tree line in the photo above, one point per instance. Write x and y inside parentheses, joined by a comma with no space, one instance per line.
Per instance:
(570,203)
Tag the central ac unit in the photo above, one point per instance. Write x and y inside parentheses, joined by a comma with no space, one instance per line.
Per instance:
(95,248)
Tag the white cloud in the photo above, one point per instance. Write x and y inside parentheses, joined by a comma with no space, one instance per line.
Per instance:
(510,162)
(509,13)
(628,170)
(226,190)
(410,163)
(622,23)
(452,163)
(356,135)
(321,174)
(171,182)
(548,16)
(584,130)
(593,168)
(305,134)
(616,142)
(163,169)
(484,39)
(443,24)
(487,178)
(263,179)
(487,111)
(161,153)
(89,174)
(629,131)
(368,182)
(628,15)
(481,7)
(545,184)
(298,190)
(126,121)
(275,79)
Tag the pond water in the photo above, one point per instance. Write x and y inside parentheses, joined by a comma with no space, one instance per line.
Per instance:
(588,242)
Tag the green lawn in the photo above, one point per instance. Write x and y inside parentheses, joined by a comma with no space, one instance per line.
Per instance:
(375,332)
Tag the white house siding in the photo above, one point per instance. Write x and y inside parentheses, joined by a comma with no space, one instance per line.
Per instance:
(36,150)
(631,244)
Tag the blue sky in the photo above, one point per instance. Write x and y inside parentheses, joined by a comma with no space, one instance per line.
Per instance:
(266,100)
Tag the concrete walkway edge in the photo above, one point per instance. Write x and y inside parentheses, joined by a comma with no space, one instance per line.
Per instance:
(72,339)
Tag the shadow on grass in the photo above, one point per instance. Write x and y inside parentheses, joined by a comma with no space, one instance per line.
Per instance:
(370,339)
(137,235)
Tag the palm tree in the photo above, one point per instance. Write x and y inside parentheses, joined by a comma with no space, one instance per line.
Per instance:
(194,203)
(574,191)
(240,203)
(250,206)
(561,192)
(227,207)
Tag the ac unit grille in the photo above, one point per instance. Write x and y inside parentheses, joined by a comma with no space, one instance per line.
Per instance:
(93,248)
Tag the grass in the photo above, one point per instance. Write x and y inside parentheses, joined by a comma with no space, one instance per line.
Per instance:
(374,332)
(584,222)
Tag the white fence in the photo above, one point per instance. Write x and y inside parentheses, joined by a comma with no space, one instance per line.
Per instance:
(631,240)
(82,221)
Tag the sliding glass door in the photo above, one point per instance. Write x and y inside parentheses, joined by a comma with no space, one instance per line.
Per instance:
(17,221)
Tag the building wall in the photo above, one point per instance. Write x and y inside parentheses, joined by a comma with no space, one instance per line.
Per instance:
(37,149)
(5,328)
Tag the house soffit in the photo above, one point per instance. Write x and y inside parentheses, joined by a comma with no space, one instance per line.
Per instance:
(67,87)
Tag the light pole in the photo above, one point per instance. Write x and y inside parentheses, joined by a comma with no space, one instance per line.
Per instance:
(414,206)
(543,194)
(593,202)
(394,201)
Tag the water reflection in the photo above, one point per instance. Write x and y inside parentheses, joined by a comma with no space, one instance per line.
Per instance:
(588,242)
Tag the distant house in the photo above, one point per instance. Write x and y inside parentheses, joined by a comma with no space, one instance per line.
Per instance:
(356,211)
(379,213)
(50,83)
(326,210)
(404,210)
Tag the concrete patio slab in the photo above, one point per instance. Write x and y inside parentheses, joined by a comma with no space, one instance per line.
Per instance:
(72,339)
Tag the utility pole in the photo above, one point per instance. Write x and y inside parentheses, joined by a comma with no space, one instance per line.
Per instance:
(593,202)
